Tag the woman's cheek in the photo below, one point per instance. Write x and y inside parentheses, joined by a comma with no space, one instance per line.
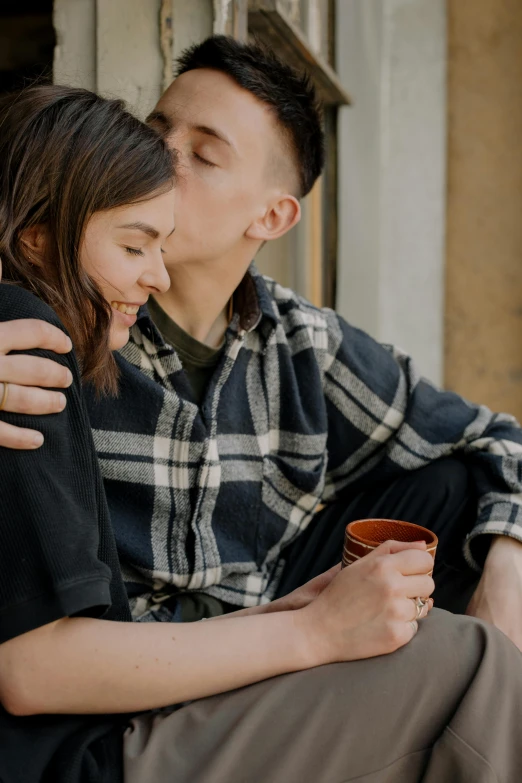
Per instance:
(119,336)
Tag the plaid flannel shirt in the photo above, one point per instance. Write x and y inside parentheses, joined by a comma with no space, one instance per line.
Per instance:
(301,406)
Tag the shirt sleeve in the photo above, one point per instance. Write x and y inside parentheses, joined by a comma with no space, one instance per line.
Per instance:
(383,417)
(49,527)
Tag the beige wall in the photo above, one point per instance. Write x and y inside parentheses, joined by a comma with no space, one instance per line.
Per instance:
(483,353)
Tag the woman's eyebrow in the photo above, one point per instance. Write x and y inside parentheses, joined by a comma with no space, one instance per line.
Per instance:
(145,227)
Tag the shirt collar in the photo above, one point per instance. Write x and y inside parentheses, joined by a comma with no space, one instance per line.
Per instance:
(252,300)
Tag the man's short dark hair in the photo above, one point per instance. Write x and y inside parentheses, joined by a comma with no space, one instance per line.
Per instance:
(290,95)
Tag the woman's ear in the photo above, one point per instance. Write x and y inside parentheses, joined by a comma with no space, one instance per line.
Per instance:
(34,244)
(280,216)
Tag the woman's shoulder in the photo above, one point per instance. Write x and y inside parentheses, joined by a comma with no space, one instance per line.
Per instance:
(16,303)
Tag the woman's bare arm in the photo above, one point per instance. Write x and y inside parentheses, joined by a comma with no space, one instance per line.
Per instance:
(83,665)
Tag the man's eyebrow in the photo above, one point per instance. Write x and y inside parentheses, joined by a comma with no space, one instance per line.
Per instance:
(208,131)
(161,119)
(138,226)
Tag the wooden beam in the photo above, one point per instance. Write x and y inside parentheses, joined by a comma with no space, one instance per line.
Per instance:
(241,20)
(268,22)
(231,18)
(166,41)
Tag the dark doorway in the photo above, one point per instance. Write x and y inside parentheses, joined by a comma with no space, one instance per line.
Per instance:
(27,42)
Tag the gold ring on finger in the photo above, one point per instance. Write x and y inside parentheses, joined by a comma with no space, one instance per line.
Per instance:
(4,395)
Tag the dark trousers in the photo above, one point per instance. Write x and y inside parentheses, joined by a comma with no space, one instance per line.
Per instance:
(440,497)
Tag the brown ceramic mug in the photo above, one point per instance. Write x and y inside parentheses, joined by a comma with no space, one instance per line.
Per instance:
(364,535)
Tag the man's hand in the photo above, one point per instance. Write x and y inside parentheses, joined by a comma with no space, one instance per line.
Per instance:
(23,373)
(498,597)
(297,599)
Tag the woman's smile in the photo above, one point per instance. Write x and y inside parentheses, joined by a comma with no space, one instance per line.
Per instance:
(125,307)
(126,312)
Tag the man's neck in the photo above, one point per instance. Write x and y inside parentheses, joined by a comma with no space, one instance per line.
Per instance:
(199,296)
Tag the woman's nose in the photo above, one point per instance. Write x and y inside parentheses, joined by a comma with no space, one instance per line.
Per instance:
(156,277)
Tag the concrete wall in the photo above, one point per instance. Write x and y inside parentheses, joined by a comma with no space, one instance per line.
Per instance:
(192,22)
(391,57)
(75,52)
(112,46)
(484,218)
(129,61)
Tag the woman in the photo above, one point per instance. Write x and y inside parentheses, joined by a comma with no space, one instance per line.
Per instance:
(85,204)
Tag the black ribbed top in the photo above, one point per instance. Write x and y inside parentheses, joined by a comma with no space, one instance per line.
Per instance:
(57,559)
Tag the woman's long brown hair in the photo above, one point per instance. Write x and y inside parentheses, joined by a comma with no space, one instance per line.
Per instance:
(66,153)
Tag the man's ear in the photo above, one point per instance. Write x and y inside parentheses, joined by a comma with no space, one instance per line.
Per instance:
(34,242)
(281,215)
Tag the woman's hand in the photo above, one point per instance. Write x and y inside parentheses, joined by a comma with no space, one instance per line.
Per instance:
(369,609)
(64,667)
(23,373)
(305,594)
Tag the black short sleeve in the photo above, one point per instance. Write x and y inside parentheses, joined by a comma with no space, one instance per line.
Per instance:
(50,564)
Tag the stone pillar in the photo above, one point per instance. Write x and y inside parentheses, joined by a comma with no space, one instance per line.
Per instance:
(391,58)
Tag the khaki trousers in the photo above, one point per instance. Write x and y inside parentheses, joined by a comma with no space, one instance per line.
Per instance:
(447,708)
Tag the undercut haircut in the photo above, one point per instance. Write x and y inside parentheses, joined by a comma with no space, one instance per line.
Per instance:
(288,92)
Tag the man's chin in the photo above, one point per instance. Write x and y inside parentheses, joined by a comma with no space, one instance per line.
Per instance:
(173,263)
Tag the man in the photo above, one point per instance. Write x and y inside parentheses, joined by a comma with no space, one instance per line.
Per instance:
(243,408)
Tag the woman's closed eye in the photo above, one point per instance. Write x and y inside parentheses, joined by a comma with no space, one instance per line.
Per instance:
(203,160)
(134,251)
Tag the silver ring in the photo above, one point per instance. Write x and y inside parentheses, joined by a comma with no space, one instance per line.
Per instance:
(420,603)
(4,395)
(414,625)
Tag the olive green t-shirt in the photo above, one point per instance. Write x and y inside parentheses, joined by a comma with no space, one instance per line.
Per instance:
(199,360)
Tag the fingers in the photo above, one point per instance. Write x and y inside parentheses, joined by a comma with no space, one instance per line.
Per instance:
(407,611)
(34,371)
(414,627)
(27,334)
(412,561)
(418,611)
(37,402)
(412,586)
(325,578)
(16,438)
(322,580)
(333,571)
(392,547)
